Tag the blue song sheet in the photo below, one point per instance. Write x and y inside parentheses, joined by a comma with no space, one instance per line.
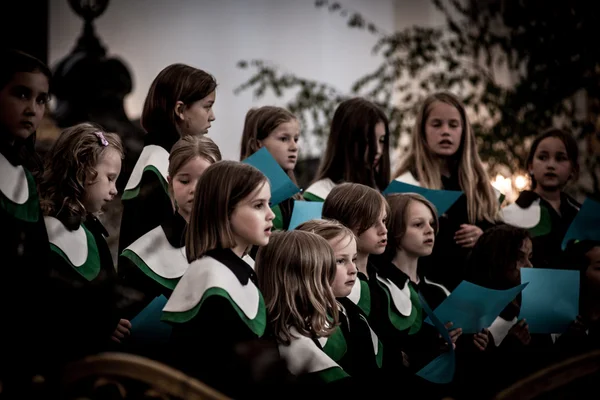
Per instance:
(282,187)
(586,224)
(473,307)
(441,369)
(441,199)
(305,211)
(147,326)
(551,300)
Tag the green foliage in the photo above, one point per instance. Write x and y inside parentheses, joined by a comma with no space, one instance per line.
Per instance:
(546,50)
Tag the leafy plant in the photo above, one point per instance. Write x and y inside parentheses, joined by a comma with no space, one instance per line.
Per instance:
(518,66)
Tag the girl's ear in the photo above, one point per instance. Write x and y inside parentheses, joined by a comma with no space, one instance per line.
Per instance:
(179,109)
(169,180)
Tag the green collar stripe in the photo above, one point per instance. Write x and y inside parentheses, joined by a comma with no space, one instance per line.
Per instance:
(91,267)
(30,210)
(278,220)
(134,258)
(379,355)
(400,322)
(332,374)
(256,325)
(311,197)
(365,298)
(133,193)
(336,347)
(544,226)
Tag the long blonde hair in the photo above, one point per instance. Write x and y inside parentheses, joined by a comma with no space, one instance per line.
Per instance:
(482,203)
(295,271)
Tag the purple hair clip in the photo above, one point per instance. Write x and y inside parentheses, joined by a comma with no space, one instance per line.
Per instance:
(103,140)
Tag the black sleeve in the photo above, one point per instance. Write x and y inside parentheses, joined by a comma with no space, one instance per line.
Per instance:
(84,310)
(208,347)
(144,212)
(24,294)
(136,288)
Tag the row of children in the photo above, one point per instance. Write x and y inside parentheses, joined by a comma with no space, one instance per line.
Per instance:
(191,219)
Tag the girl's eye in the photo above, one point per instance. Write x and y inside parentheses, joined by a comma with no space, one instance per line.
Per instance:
(259,206)
(340,261)
(184,182)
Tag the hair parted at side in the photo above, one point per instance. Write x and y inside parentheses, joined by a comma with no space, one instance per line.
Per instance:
(295,271)
(482,201)
(218,191)
(190,147)
(71,163)
(351,148)
(570,146)
(356,206)
(399,205)
(176,82)
(259,124)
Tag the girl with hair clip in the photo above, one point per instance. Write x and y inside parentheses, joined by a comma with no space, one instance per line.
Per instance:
(80,177)
(179,103)
(354,345)
(24,93)
(217,307)
(152,265)
(546,211)
(278,130)
(357,149)
(495,263)
(364,211)
(443,155)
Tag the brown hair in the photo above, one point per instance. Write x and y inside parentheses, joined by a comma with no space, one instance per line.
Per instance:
(218,191)
(399,204)
(177,82)
(482,202)
(190,147)
(70,163)
(570,146)
(354,205)
(295,271)
(259,124)
(327,229)
(352,135)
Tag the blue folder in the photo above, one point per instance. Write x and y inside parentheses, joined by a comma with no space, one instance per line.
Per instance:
(473,307)
(305,211)
(586,224)
(551,300)
(282,187)
(441,199)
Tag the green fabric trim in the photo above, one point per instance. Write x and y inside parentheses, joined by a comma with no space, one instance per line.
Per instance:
(379,355)
(400,322)
(336,346)
(501,199)
(311,197)
(331,374)
(30,210)
(278,220)
(91,267)
(365,298)
(133,193)
(543,227)
(134,258)
(256,325)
